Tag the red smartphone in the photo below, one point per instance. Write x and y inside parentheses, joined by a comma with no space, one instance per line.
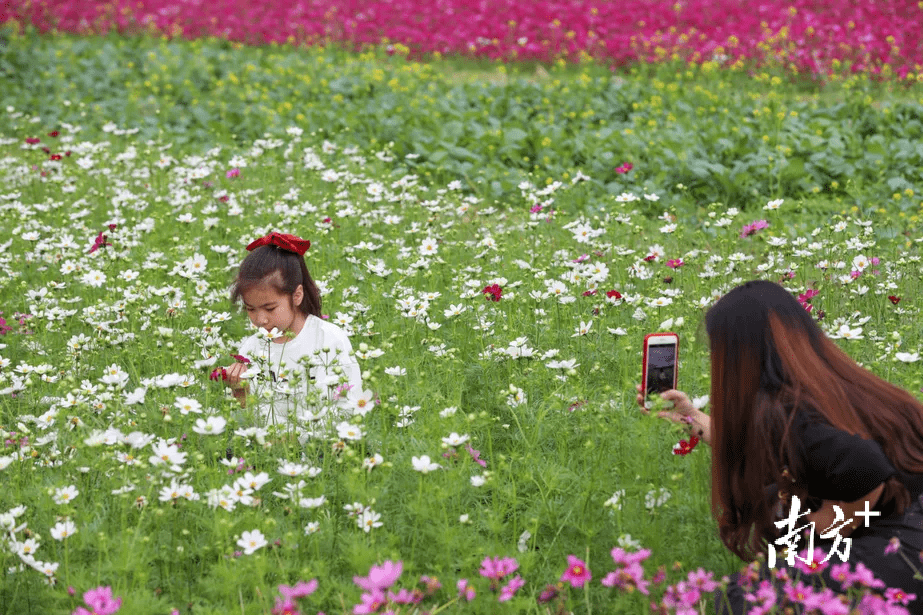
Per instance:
(661,361)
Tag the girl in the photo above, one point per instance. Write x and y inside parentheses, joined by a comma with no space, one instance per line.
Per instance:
(294,343)
(793,415)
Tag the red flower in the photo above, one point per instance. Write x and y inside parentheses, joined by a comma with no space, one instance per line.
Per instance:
(894,299)
(99,242)
(683,447)
(218,374)
(650,257)
(589,293)
(53,133)
(56,156)
(614,293)
(32,140)
(492,292)
(240,359)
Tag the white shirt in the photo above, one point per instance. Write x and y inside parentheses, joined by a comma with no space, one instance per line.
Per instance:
(280,390)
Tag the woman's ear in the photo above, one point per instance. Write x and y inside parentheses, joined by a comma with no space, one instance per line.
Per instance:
(298,295)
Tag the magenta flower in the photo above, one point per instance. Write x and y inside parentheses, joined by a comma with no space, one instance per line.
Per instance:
(623,168)
(285,607)
(577,573)
(380,577)
(476,455)
(100,601)
(896,595)
(620,556)
(509,590)
(233,173)
(863,576)
(465,590)
(548,594)
(750,229)
(893,545)
(371,603)
(497,567)
(300,590)
(675,263)
(99,242)
(705,581)
(815,567)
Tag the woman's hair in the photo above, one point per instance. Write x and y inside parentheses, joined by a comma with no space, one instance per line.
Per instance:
(768,358)
(281,270)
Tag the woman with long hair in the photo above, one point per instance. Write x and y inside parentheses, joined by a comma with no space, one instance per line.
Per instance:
(795,421)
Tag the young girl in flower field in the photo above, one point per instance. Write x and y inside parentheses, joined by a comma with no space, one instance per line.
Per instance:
(793,415)
(294,342)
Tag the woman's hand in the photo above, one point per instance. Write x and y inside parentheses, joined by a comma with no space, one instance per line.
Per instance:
(683,412)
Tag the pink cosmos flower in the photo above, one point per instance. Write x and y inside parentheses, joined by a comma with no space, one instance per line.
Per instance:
(233,173)
(510,589)
(99,242)
(381,577)
(623,168)
(705,581)
(535,208)
(862,576)
(893,545)
(675,263)
(620,556)
(299,590)
(371,602)
(285,607)
(100,601)
(497,567)
(577,573)
(750,229)
(465,590)
(815,567)
(476,455)
(895,595)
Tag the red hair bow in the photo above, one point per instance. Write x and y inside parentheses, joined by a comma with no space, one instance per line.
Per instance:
(282,240)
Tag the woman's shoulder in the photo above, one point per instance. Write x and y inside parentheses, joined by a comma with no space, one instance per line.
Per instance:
(330,330)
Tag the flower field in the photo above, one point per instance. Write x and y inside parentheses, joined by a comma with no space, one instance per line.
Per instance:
(496,239)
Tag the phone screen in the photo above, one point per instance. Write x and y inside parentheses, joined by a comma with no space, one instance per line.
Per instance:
(661,365)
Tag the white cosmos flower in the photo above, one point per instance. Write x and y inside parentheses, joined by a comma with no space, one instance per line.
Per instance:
(349,432)
(424,465)
(396,371)
(368,519)
(251,541)
(478,481)
(65,495)
(907,357)
(185,405)
(775,204)
(455,440)
(312,502)
(63,529)
(583,329)
(311,528)
(860,262)
(846,332)
(211,426)
(361,402)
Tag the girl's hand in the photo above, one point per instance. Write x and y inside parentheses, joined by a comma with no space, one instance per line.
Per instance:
(683,412)
(233,378)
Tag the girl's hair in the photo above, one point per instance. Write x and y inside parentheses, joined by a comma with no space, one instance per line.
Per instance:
(768,358)
(280,269)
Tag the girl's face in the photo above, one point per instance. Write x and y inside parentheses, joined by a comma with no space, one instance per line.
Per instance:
(266,307)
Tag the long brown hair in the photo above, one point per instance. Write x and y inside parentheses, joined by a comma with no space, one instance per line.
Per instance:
(280,269)
(768,358)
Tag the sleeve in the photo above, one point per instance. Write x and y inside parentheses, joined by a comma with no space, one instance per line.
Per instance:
(839,465)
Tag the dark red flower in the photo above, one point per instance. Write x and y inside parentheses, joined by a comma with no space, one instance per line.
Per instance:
(56,157)
(240,359)
(218,374)
(67,153)
(649,258)
(589,293)
(492,292)
(894,299)
(53,133)
(33,140)
(625,167)
(614,293)
(683,447)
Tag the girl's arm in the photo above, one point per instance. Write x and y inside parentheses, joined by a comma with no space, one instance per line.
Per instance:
(825,517)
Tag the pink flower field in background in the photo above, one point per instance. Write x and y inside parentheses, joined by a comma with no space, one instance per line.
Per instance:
(881,37)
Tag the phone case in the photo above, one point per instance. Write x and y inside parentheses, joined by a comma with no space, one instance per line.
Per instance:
(644,358)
